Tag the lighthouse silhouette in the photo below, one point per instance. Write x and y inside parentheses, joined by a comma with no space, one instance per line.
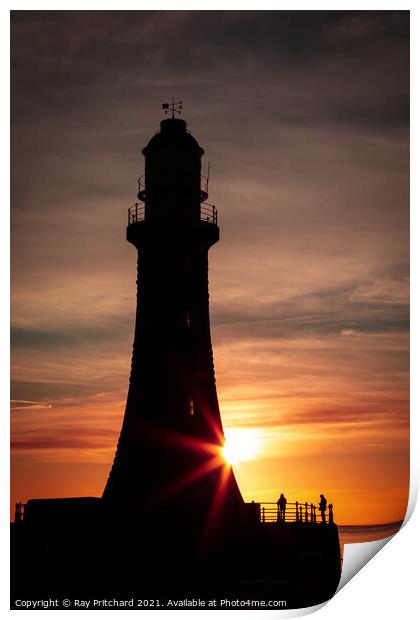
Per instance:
(171,523)
(169,473)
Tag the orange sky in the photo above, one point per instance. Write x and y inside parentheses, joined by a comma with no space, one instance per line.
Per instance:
(311,437)
(308,285)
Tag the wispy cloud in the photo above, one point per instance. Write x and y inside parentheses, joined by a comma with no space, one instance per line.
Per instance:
(29,404)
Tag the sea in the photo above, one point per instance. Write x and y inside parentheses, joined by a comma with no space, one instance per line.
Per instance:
(350,534)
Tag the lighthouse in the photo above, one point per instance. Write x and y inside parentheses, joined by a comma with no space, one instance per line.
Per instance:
(169,472)
(171,523)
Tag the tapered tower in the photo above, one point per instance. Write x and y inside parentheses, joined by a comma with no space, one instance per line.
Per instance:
(171,524)
(169,466)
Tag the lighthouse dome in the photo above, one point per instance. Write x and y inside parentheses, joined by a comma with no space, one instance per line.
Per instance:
(173,132)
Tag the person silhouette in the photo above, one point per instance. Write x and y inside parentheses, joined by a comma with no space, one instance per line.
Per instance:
(322,507)
(281,508)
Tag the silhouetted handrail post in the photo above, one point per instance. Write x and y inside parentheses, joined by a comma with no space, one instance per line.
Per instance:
(294,512)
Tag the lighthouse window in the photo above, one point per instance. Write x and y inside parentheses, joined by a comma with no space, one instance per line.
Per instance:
(191,406)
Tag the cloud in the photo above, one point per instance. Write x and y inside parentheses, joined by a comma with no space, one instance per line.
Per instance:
(378,307)
(371,416)
(28,404)
(383,291)
(80,335)
(90,438)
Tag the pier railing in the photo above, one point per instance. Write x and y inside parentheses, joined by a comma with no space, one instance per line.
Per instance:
(294,512)
(264,512)
(208,213)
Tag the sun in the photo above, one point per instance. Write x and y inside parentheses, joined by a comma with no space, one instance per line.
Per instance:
(240,445)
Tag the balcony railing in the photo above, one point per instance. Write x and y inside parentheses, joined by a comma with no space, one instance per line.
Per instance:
(208,213)
(136,213)
(295,512)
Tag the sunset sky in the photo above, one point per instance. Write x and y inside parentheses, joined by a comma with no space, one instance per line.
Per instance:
(305,120)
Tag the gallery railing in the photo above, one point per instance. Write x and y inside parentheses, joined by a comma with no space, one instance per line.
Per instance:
(136,213)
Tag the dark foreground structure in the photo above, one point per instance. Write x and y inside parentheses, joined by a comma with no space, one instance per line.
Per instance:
(172,524)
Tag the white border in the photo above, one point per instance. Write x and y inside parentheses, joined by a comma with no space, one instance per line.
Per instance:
(387,586)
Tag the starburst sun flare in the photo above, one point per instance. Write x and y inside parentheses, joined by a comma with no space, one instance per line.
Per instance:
(240,445)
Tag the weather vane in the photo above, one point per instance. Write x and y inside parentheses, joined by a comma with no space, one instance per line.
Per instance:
(175,106)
